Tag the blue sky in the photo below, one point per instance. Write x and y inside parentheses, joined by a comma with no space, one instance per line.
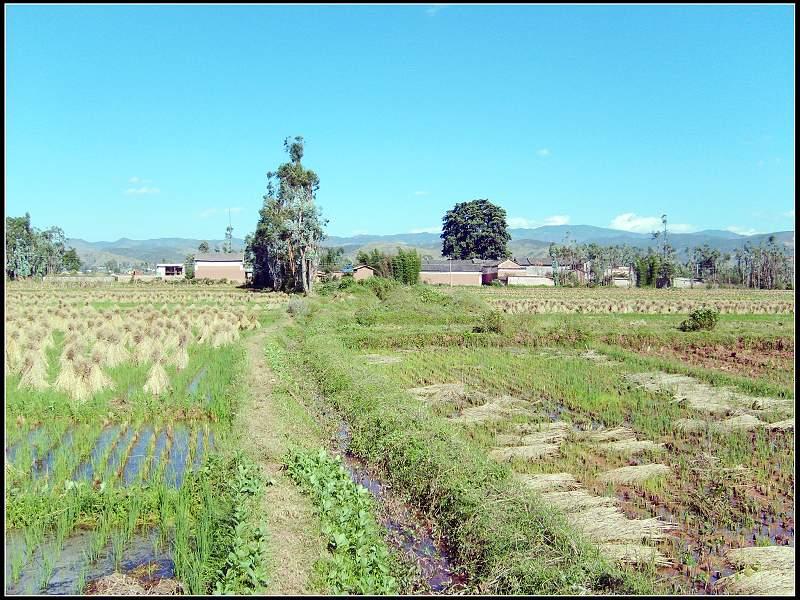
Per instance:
(153,121)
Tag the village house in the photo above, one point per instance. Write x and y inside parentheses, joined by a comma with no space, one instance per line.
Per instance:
(509,268)
(220,265)
(360,272)
(452,272)
(686,282)
(532,271)
(170,271)
(537,267)
(621,276)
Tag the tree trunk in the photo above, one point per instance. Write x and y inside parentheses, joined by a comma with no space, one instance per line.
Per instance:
(303,270)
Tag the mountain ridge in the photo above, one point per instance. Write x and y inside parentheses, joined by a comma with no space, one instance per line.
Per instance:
(532,242)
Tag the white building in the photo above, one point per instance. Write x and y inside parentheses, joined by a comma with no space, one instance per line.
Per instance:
(530,280)
(686,282)
(170,271)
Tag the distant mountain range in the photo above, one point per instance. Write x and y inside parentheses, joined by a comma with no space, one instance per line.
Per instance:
(536,242)
(524,242)
(135,252)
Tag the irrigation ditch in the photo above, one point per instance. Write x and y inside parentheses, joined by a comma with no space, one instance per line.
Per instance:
(408,532)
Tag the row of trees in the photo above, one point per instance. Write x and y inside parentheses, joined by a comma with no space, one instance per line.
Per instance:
(477,229)
(764,266)
(33,252)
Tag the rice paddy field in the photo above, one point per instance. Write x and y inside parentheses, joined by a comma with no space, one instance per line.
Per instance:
(377,438)
(115,400)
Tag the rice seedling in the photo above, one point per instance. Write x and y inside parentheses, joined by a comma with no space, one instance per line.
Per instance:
(48,562)
(18,560)
(80,584)
(118,540)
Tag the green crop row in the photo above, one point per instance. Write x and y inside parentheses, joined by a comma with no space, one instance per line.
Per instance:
(360,562)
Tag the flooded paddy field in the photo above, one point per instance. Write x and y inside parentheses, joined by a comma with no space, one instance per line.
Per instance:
(724,483)
(118,404)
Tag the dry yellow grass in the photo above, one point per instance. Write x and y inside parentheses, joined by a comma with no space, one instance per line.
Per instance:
(495,410)
(767,570)
(633,474)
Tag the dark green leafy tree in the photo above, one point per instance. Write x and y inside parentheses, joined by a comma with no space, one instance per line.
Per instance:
(475,229)
(248,250)
(20,246)
(31,252)
(331,259)
(71,261)
(203,247)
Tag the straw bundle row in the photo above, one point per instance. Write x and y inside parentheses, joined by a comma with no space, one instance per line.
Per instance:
(496,410)
(634,474)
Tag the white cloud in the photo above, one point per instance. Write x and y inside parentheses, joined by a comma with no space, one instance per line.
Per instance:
(632,222)
(433,9)
(557,220)
(134,180)
(436,229)
(635,223)
(742,230)
(544,152)
(143,190)
(523,223)
(789,214)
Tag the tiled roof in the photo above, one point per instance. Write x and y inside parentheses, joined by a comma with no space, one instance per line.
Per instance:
(219,256)
(534,262)
(457,266)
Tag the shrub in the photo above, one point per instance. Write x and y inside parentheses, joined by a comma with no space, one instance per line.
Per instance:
(297,307)
(700,319)
(491,322)
(347,282)
(366,317)
(380,286)
(431,296)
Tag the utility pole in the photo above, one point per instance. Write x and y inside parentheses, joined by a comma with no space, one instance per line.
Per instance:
(450,264)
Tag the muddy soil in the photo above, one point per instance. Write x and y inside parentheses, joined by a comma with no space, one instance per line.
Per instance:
(760,360)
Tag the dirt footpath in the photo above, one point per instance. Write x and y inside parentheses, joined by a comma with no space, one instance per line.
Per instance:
(294,538)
